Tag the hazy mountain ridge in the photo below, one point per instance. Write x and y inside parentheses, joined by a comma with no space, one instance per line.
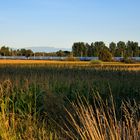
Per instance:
(47,49)
(44,49)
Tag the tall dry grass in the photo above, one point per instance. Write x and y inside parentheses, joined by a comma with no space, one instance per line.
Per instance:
(99,122)
(118,66)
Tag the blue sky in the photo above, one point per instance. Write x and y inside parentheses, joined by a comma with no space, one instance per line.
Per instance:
(59,23)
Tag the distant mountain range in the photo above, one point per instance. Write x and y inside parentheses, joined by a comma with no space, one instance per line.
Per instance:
(47,49)
(44,49)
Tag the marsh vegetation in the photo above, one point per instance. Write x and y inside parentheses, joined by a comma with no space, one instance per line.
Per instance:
(68,102)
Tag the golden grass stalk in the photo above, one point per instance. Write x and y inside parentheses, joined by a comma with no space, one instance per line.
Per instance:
(99,122)
(81,64)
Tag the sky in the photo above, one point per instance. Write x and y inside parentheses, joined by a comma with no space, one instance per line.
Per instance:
(60,23)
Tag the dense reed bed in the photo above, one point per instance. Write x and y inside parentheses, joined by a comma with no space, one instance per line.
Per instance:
(55,102)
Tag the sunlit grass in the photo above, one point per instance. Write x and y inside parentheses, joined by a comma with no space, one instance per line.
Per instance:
(40,62)
(34,98)
(20,117)
(19,114)
(99,122)
(71,64)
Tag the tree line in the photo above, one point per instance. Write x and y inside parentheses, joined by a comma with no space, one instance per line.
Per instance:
(82,49)
(6,51)
(120,49)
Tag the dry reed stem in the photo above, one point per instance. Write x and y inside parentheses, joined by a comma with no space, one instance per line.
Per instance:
(101,123)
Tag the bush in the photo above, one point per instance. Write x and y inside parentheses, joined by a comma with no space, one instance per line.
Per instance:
(105,55)
(71,59)
(96,62)
(128,60)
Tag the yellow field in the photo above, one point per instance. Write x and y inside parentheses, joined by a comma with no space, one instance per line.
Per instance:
(60,62)
(40,62)
(106,65)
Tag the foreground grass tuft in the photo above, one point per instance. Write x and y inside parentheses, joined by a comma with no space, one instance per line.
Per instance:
(99,122)
(20,114)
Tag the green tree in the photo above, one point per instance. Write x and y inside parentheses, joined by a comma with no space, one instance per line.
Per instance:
(132,49)
(85,47)
(67,53)
(90,50)
(112,48)
(14,52)
(79,49)
(22,52)
(29,53)
(60,53)
(105,55)
(94,53)
(98,46)
(5,51)
(139,51)
(76,49)
(121,47)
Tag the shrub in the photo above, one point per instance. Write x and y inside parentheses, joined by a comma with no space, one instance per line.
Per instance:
(71,59)
(105,55)
(96,62)
(128,60)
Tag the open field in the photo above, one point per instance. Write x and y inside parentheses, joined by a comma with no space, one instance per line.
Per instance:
(45,101)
